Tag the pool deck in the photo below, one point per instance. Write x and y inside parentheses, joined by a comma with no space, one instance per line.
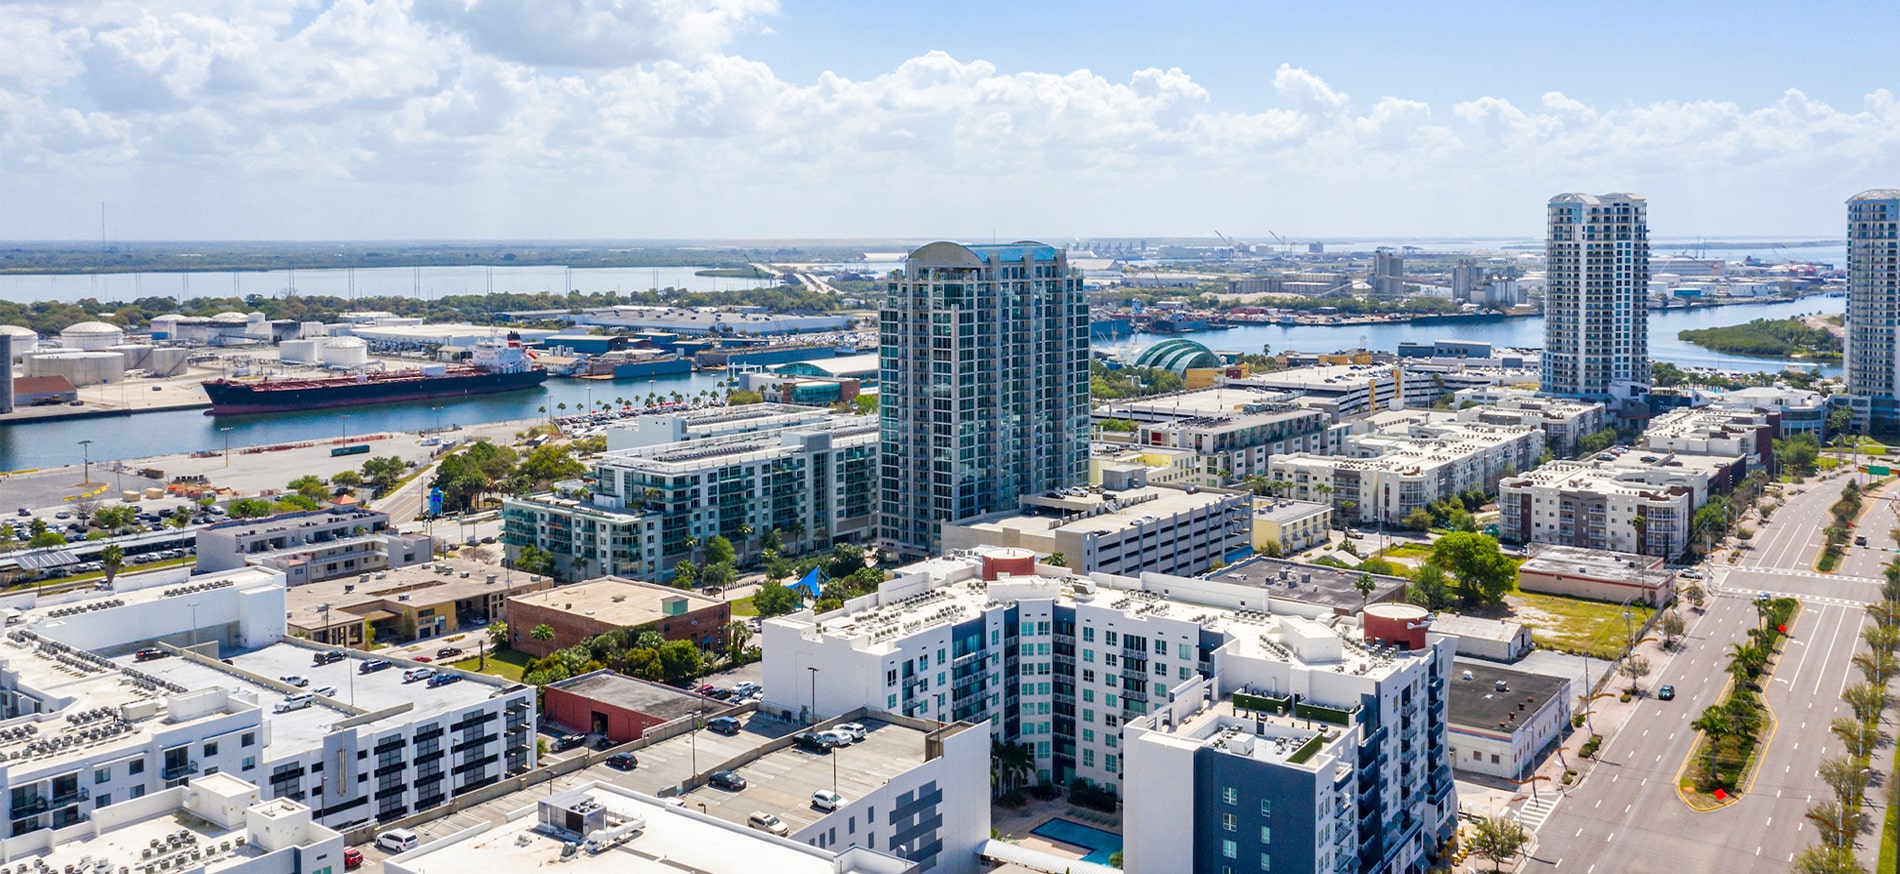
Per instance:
(1017,825)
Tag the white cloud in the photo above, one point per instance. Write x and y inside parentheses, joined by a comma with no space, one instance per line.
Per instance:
(598,118)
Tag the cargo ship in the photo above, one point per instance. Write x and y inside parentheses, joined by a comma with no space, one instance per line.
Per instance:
(493,366)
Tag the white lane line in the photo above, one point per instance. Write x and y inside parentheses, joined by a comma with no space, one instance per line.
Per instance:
(1830,648)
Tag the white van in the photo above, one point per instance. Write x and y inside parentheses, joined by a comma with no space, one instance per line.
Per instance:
(414,674)
(397,840)
(297,701)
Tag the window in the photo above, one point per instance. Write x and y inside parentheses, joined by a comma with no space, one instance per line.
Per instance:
(101,800)
(1494,758)
(1184,674)
(1266,834)
(1088,656)
(1230,849)
(1088,735)
(250,762)
(1088,634)
(1111,638)
(1229,822)
(1088,715)
(1088,758)
(1266,807)
(1476,756)
(1110,659)
(138,791)
(1229,795)
(1161,669)
(1088,695)
(1088,676)
(1184,651)
(211,748)
(136,767)
(1266,862)
(102,775)
(1109,699)
(1110,766)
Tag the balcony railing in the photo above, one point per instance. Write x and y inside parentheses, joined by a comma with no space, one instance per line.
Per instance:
(174,772)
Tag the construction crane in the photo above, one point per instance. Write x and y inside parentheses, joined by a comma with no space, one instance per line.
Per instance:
(1286,245)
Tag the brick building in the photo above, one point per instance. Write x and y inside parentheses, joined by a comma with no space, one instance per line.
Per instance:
(583,610)
(621,708)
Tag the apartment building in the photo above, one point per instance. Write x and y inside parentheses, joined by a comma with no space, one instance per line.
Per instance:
(1411,462)
(684,425)
(812,481)
(1348,391)
(1124,526)
(1564,421)
(1721,431)
(1162,465)
(1595,505)
(1596,314)
(1233,431)
(314,545)
(1795,410)
(1872,348)
(1080,669)
(86,723)
(1290,526)
(983,386)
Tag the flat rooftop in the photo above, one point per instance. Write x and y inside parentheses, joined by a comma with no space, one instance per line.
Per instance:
(179,834)
(1283,510)
(1262,737)
(1107,511)
(437,582)
(355,693)
(674,840)
(1315,584)
(782,782)
(652,699)
(1576,560)
(1475,627)
(1478,703)
(614,601)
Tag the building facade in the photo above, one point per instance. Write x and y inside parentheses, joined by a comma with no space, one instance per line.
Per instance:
(1596,506)
(983,386)
(1121,527)
(314,545)
(1596,318)
(1232,431)
(1872,362)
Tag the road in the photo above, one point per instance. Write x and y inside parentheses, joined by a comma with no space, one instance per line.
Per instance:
(1626,816)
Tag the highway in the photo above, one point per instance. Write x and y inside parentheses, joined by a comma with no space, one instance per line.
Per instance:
(1626,816)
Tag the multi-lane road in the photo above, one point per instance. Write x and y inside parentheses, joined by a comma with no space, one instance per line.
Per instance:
(1626,816)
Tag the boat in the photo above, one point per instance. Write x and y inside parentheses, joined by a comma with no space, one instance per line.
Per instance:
(494,366)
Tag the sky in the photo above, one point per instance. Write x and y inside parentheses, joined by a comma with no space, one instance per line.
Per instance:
(794,119)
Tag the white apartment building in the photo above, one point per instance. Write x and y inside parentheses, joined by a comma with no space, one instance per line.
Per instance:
(312,546)
(1121,527)
(679,427)
(1415,461)
(1232,431)
(1715,431)
(1564,421)
(1082,669)
(1796,410)
(1595,504)
(1596,315)
(1872,360)
(811,481)
(85,723)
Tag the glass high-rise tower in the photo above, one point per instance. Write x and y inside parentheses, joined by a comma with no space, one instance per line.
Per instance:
(1872,360)
(983,386)
(1596,300)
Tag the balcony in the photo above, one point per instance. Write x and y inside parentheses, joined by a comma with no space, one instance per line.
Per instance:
(179,771)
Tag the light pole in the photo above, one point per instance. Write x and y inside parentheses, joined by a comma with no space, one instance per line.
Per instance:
(814,694)
(85,455)
(194,622)
(226,431)
(346,428)
(438,417)
(693,739)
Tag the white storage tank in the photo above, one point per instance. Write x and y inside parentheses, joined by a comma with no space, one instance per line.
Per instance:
(91,336)
(80,368)
(167,361)
(301,351)
(165,327)
(308,330)
(138,356)
(26,341)
(346,352)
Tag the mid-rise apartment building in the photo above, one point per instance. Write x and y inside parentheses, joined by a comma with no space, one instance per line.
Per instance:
(812,481)
(312,546)
(1121,527)
(1232,431)
(1418,460)
(1722,431)
(983,386)
(1796,410)
(1596,315)
(1087,671)
(1564,421)
(1596,505)
(1872,360)
(1348,391)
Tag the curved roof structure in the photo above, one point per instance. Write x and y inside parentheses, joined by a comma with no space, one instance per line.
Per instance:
(81,329)
(1177,355)
(19,331)
(1877,194)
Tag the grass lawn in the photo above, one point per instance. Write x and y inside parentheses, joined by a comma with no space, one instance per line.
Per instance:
(1575,625)
(504,663)
(1890,833)
(1407,550)
(743,607)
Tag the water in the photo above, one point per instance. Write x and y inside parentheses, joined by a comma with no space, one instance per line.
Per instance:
(1527,332)
(423,282)
(1100,844)
(49,444)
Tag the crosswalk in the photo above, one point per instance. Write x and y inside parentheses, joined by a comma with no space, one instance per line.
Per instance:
(1533,812)
(1749,595)
(1814,575)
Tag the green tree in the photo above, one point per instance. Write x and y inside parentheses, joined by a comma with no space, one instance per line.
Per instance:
(680,660)
(1673,625)
(249,508)
(384,472)
(549,463)
(1596,441)
(1056,559)
(773,541)
(1483,572)
(1797,454)
(716,574)
(649,639)
(1418,520)
(845,559)
(1430,588)
(347,479)
(310,486)
(543,632)
(774,599)
(1636,668)
(1498,838)
(719,550)
(535,560)
(778,567)
(113,558)
(497,634)
(116,518)
(467,476)
(1366,586)
(685,574)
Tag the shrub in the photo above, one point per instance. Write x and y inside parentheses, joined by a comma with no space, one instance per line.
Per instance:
(1577,721)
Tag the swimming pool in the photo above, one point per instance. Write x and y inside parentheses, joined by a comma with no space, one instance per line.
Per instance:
(1100,844)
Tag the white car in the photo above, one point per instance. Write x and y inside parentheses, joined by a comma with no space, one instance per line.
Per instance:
(839,736)
(826,800)
(854,729)
(325,691)
(398,840)
(768,823)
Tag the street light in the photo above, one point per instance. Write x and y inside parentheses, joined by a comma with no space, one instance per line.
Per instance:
(85,454)
(227,445)
(346,428)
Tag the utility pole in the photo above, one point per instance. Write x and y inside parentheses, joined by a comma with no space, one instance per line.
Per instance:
(85,454)
(227,445)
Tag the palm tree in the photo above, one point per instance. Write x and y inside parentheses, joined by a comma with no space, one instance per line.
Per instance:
(113,557)
(1010,765)
(543,632)
(1640,523)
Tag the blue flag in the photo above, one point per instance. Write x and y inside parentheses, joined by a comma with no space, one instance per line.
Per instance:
(809,583)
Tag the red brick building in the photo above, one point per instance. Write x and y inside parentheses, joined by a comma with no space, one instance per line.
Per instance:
(619,707)
(583,610)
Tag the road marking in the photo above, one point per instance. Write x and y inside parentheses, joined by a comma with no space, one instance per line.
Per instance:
(1626,807)
(1577,835)
(1611,838)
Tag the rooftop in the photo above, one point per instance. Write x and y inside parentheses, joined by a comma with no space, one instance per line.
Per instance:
(1598,563)
(1317,584)
(781,782)
(298,519)
(615,601)
(673,840)
(1477,702)
(652,699)
(433,583)
(1285,510)
(1601,479)
(1263,737)
(170,833)
(1100,512)
(1476,627)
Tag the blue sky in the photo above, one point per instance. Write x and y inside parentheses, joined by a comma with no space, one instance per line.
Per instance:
(786,119)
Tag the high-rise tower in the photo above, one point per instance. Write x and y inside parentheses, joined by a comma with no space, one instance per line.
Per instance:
(1596,316)
(1873,303)
(983,386)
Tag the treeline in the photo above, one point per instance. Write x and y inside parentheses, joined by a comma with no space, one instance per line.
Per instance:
(1767,338)
(131,257)
(48,317)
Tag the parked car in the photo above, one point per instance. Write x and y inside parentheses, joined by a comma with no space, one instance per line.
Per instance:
(448,652)
(371,666)
(149,653)
(855,730)
(826,800)
(705,689)
(328,657)
(325,691)
(623,761)
(352,858)
(768,823)
(726,780)
(443,679)
(417,674)
(295,680)
(748,688)
(424,659)
(721,694)
(840,737)
(1666,693)
(814,742)
(725,725)
(398,840)
(296,701)
(569,741)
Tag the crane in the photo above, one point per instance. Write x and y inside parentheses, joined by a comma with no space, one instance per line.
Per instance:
(1286,245)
